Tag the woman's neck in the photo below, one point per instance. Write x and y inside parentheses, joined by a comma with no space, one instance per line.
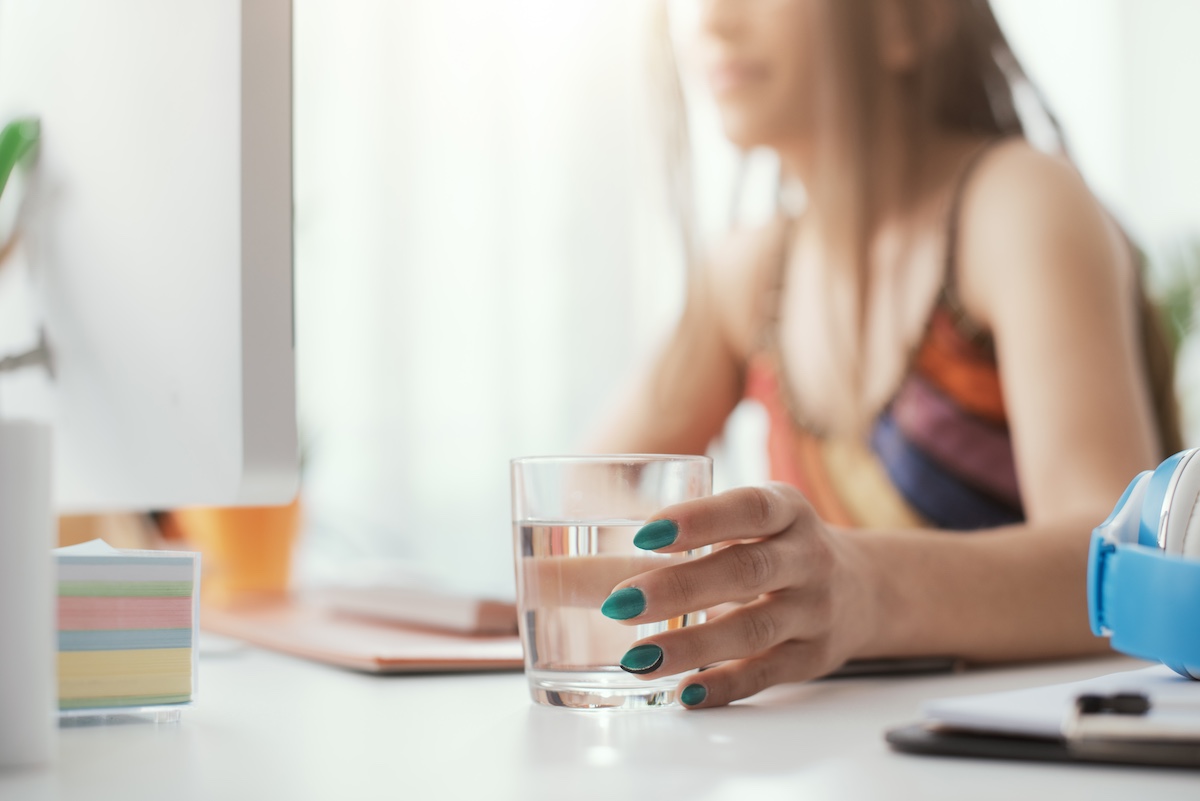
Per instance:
(900,180)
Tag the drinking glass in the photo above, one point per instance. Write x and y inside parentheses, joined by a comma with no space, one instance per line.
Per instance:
(574,519)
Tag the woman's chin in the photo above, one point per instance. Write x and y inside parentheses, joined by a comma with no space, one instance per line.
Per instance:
(746,132)
(741,138)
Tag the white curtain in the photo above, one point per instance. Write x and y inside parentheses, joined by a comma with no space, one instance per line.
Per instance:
(484,251)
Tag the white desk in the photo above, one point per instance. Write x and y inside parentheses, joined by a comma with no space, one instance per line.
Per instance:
(272,727)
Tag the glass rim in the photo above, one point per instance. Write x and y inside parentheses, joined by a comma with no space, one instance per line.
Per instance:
(611,458)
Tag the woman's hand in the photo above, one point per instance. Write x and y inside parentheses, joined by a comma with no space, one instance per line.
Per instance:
(804,595)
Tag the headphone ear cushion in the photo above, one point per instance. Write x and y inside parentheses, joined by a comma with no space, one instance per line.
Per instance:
(1178,523)
(1158,491)
(1183,528)
(1191,537)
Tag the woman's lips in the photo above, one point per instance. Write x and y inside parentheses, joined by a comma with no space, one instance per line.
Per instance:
(732,76)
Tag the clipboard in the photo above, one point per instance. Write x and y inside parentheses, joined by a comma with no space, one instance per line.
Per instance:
(1145,717)
(919,739)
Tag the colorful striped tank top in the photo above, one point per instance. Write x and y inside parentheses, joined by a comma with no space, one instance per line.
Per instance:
(939,455)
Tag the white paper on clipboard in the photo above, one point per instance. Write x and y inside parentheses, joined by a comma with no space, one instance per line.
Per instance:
(1051,711)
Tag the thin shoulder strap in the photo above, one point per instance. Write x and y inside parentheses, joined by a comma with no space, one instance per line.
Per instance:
(950,295)
(771,293)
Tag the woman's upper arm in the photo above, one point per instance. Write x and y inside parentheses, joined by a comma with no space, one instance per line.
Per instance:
(679,401)
(1048,272)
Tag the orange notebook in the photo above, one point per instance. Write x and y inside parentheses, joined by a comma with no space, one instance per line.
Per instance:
(307,630)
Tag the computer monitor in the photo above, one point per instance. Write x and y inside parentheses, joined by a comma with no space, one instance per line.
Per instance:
(155,255)
(156,248)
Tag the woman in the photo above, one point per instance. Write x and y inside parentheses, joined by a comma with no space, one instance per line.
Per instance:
(951,338)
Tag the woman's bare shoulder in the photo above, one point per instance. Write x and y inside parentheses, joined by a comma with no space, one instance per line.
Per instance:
(1016,170)
(1026,210)
(739,273)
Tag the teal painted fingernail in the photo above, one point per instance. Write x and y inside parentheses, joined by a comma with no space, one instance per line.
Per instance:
(624,603)
(658,534)
(693,694)
(642,659)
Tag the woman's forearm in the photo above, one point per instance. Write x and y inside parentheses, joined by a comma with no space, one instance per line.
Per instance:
(999,595)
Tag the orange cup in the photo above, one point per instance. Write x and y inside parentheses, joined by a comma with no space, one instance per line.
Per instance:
(246,552)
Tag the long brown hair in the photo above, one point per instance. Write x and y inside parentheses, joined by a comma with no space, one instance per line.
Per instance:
(966,79)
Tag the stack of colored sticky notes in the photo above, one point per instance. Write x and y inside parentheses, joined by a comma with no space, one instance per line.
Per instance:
(127,623)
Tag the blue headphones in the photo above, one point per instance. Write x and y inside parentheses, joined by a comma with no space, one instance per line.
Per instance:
(1144,567)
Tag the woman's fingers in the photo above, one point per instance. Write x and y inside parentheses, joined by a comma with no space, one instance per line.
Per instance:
(790,661)
(739,573)
(750,629)
(753,561)
(739,514)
